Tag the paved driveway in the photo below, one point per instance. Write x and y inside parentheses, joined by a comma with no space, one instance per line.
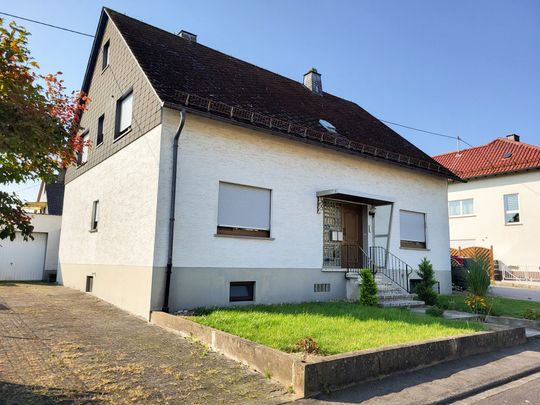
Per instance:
(59,345)
(530,294)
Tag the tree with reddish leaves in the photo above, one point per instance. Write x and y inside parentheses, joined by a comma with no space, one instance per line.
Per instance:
(39,124)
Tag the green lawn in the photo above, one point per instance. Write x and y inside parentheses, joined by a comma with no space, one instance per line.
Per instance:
(498,306)
(337,327)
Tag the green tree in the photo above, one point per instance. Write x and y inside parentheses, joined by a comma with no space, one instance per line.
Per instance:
(38,125)
(424,289)
(368,288)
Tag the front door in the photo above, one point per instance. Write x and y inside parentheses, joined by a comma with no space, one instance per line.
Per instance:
(351,255)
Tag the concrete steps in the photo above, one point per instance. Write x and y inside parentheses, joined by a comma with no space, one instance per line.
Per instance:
(391,295)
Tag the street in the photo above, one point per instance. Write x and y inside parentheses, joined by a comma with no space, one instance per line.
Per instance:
(530,294)
(523,391)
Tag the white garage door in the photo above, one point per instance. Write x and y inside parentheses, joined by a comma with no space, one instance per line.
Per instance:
(20,260)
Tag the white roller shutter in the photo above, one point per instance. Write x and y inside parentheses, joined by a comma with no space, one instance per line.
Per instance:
(244,207)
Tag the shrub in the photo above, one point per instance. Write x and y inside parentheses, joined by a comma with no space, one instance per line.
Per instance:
(459,277)
(532,314)
(307,345)
(435,311)
(424,289)
(368,288)
(478,276)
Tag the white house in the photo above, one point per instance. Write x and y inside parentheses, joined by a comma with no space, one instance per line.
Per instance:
(212,182)
(37,258)
(499,205)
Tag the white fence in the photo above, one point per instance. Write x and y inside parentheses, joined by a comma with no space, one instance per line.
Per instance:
(520,273)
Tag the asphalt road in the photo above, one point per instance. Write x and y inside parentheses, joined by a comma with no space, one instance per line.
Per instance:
(530,294)
(523,391)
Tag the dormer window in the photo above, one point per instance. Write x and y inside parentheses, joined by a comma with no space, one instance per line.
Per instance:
(328,126)
(105,56)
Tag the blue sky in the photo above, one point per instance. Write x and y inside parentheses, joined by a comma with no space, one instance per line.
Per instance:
(458,67)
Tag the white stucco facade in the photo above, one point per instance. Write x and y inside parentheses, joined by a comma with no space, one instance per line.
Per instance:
(513,244)
(290,262)
(127,256)
(120,255)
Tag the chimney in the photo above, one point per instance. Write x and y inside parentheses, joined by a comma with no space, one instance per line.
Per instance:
(188,35)
(312,80)
(513,137)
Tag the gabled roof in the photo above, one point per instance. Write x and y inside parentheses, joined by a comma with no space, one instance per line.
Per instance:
(186,74)
(500,156)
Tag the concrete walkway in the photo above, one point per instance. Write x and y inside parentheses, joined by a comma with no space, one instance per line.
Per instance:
(59,345)
(443,383)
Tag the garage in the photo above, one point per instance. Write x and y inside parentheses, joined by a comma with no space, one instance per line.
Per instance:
(20,260)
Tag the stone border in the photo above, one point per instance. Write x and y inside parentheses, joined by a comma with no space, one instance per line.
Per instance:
(310,377)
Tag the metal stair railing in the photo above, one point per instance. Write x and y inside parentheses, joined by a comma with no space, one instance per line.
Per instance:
(391,266)
(354,258)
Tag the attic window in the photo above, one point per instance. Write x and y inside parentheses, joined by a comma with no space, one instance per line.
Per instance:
(329,127)
(507,155)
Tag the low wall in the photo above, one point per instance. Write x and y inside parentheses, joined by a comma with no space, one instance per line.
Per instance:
(311,377)
(514,322)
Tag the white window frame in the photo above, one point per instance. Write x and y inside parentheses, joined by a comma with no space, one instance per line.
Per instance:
(409,244)
(229,230)
(94,220)
(119,132)
(461,214)
(83,156)
(518,211)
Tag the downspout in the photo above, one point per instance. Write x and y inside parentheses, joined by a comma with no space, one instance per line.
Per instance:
(172,212)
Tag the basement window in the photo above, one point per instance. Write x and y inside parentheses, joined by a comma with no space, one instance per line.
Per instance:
(241,291)
(89,284)
(412,229)
(243,210)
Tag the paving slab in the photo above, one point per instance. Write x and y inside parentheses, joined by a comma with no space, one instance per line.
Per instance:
(451,314)
(443,383)
(58,345)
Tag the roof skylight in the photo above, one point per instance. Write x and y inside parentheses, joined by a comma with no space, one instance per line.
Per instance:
(328,126)
(507,155)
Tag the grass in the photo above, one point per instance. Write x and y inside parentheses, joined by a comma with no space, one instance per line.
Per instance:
(337,327)
(499,306)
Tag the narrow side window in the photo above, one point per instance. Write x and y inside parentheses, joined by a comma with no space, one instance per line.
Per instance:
(95,216)
(124,111)
(101,121)
(82,157)
(105,56)
(511,209)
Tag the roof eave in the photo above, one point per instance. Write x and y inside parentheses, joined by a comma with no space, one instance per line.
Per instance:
(198,112)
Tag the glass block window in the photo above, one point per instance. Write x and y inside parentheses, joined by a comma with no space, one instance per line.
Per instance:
(331,226)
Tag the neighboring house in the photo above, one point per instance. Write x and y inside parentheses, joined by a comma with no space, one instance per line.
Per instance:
(499,205)
(280,188)
(36,259)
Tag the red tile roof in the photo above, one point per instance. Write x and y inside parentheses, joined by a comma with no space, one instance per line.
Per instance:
(500,156)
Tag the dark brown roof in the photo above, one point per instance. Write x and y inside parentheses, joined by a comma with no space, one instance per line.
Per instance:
(186,73)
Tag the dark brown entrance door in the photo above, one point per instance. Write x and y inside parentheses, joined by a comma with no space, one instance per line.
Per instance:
(351,255)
